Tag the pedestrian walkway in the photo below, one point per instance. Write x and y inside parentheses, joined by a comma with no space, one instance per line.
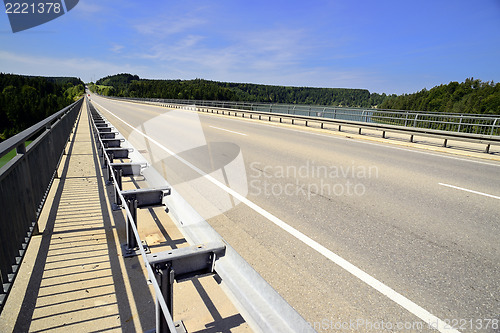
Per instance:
(74,277)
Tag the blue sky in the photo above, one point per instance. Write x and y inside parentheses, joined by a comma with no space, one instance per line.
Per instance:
(384,46)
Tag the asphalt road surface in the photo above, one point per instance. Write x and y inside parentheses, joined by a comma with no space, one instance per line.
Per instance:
(355,235)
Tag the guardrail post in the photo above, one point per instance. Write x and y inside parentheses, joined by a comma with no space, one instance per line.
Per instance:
(131,241)
(165,277)
(118,176)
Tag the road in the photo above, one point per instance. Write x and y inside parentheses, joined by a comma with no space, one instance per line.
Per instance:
(355,235)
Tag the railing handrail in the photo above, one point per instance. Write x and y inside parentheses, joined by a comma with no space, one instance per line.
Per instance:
(21,137)
(28,177)
(450,122)
(307,106)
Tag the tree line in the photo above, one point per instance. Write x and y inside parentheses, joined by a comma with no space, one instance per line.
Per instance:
(26,100)
(471,96)
(127,85)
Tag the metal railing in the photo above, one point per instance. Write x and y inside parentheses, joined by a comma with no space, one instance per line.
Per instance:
(132,232)
(24,184)
(483,124)
(422,124)
(263,308)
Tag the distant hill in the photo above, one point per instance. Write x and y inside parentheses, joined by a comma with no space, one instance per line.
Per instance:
(471,96)
(26,100)
(127,85)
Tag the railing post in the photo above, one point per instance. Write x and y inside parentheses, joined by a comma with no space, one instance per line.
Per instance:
(131,241)
(165,277)
(118,187)
(415,121)
(460,122)
(493,126)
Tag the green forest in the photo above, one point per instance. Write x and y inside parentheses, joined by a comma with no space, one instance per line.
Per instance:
(26,100)
(127,85)
(470,96)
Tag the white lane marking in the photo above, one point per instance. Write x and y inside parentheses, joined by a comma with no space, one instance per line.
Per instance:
(393,295)
(336,137)
(471,191)
(223,129)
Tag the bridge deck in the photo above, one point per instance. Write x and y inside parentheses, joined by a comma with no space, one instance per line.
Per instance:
(74,275)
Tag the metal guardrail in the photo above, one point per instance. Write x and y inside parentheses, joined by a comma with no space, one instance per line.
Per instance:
(261,306)
(134,242)
(24,184)
(483,124)
(488,140)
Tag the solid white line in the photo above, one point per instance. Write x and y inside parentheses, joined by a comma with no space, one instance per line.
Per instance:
(471,191)
(223,129)
(406,303)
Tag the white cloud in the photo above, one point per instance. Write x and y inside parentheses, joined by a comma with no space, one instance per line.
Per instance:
(162,27)
(116,48)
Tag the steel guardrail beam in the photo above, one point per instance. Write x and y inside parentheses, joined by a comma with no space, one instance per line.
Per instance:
(261,306)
